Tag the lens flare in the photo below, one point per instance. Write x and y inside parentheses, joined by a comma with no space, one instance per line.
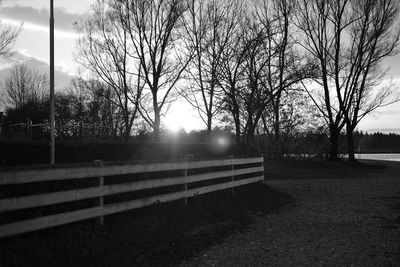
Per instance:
(220,143)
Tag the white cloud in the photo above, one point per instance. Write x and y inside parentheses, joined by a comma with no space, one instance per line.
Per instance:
(28,26)
(392,65)
(390,112)
(62,75)
(38,19)
(72,6)
(12,58)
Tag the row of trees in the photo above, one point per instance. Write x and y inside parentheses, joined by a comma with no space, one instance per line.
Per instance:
(220,57)
(256,64)
(85,102)
(377,142)
(348,40)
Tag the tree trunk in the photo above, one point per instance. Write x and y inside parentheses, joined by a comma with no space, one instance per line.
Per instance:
(334,143)
(127,129)
(350,143)
(156,108)
(209,125)
(236,118)
(277,142)
(237,132)
(249,138)
(127,134)
(250,134)
(157,120)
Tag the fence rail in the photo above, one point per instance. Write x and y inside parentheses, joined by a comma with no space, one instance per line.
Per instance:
(236,168)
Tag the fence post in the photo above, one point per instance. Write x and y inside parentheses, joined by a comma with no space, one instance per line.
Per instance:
(100,164)
(185,186)
(30,131)
(27,130)
(263,167)
(81,130)
(232,175)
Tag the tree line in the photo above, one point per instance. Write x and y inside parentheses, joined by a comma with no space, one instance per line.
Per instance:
(377,142)
(269,67)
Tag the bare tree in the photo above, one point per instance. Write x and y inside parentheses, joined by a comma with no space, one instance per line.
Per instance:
(296,114)
(348,39)
(104,49)
(154,28)
(268,65)
(321,24)
(243,69)
(255,98)
(210,26)
(231,75)
(24,85)
(96,102)
(286,65)
(8,36)
(78,88)
(374,36)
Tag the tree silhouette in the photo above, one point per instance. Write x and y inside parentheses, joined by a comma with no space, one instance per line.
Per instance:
(154,28)
(104,50)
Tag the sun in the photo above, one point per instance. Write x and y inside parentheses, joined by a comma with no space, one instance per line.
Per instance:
(173,125)
(181,117)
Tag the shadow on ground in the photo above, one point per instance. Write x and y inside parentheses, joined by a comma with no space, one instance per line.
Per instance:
(162,235)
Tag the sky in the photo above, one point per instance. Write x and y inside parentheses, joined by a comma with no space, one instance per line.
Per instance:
(32,47)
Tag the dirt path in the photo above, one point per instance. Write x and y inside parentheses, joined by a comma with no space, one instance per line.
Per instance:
(334,222)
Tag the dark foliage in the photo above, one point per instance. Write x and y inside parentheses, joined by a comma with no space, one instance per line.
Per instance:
(22,153)
(35,111)
(377,142)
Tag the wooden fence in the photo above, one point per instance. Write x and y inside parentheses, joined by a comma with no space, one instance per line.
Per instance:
(194,179)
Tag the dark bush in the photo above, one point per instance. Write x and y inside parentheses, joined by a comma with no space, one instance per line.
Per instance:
(22,153)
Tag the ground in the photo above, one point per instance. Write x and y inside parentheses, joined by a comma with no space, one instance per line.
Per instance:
(310,213)
(334,221)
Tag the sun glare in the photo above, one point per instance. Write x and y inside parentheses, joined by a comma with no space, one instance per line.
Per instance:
(173,126)
(181,117)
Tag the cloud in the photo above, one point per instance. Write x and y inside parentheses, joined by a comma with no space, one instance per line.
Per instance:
(62,77)
(389,112)
(28,26)
(392,65)
(63,20)
(73,6)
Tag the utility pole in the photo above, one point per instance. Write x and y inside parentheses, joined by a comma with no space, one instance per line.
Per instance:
(52,115)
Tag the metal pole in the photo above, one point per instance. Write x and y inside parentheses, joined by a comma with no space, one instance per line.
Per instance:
(52,116)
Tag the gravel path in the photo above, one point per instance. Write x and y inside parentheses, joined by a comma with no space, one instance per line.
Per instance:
(334,222)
